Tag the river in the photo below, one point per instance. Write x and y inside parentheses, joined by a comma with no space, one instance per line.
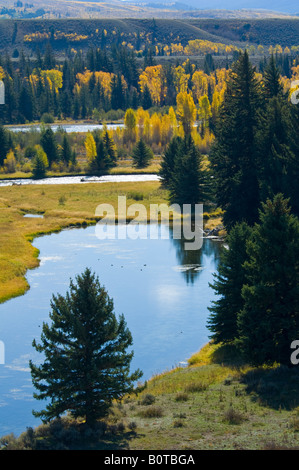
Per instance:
(162,290)
(82,179)
(69,128)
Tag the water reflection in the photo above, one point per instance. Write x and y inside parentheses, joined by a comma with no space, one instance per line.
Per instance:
(191,262)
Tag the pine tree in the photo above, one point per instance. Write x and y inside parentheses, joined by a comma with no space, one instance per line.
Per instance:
(228,284)
(142,154)
(233,156)
(110,148)
(188,180)
(39,163)
(146,100)
(168,161)
(274,148)
(66,151)
(86,363)
(4,145)
(48,142)
(269,320)
(272,84)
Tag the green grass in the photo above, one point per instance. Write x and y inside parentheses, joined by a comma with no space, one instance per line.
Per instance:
(218,403)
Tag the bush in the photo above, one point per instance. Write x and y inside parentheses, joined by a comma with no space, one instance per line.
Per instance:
(195,387)
(152,412)
(47,118)
(148,399)
(181,396)
(232,416)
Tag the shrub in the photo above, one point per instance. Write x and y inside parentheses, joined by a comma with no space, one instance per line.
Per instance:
(148,399)
(232,416)
(181,396)
(195,387)
(151,412)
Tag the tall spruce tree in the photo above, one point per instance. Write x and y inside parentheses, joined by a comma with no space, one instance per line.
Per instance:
(142,154)
(269,320)
(86,363)
(49,144)
(233,156)
(168,161)
(272,83)
(277,144)
(228,284)
(188,180)
(274,149)
(4,144)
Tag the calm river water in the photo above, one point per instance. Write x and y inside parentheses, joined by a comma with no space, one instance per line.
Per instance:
(162,290)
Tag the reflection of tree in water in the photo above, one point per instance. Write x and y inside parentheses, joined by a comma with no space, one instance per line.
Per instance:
(191,261)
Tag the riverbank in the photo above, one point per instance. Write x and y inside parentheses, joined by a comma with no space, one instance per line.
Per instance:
(215,403)
(123,167)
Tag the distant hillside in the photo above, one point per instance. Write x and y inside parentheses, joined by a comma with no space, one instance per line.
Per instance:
(18,33)
(291,6)
(49,9)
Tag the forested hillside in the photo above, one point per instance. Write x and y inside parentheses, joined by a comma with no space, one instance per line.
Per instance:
(64,34)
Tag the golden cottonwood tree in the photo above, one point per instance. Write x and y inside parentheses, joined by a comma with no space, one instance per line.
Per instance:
(153,77)
(186,111)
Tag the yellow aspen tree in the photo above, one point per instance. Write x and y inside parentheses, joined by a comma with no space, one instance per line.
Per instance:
(199,84)
(181,79)
(173,122)
(186,111)
(142,116)
(153,77)
(204,110)
(90,146)
(130,125)
(155,129)
(166,131)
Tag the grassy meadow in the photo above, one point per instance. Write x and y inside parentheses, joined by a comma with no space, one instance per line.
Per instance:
(215,403)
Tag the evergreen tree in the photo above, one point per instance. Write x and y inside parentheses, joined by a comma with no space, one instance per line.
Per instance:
(272,84)
(26,105)
(102,160)
(39,163)
(142,154)
(146,98)
(110,149)
(274,148)
(168,161)
(66,151)
(49,144)
(188,181)
(228,284)
(233,155)
(269,320)
(86,364)
(4,144)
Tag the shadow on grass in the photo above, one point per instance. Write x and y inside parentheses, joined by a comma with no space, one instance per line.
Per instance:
(227,355)
(276,387)
(110,442)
